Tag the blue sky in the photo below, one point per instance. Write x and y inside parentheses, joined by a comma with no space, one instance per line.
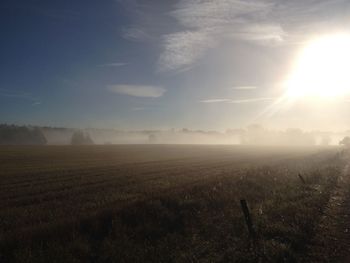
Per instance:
(212,65)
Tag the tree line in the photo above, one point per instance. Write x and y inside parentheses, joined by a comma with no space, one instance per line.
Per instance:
(21,135)
(29,135)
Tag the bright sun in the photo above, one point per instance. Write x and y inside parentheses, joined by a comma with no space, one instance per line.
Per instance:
(322,69)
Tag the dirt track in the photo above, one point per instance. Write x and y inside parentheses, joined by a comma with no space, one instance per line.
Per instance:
(332,240)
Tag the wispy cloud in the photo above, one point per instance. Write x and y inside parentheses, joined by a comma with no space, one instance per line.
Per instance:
(19,95)
(262,22)
(211,21)
(252,100)
(215,100)
(262,34)
(244,87)
(36,103)
(138,90)
(115,64)
(183,48)
(202,25)
(136,34)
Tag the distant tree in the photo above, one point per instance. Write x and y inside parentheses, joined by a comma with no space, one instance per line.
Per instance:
(152,138)
(80,138)
(345,141)
(38,137)
(326,140)
(294,136)
(254,134)
(21,135)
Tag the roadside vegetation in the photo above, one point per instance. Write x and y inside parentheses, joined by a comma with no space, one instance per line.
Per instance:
(162,203)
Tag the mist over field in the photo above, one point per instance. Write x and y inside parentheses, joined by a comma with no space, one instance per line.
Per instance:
(252,135)
(175,131)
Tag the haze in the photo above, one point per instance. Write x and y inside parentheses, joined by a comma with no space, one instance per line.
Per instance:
(174,131)
(161,65)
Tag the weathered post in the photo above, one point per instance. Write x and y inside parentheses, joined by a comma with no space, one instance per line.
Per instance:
(248,218)
(301,178)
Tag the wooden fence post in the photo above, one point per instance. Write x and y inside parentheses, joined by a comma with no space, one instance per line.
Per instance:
(248,218)
(301,178)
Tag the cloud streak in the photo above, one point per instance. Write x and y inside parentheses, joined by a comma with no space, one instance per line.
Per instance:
(115,64)
(251,100)
(203,25)
(215,100)
(208,23)
(19,95)
(183,48)
(233,101)
(244,88)
(136,34)
(137,90)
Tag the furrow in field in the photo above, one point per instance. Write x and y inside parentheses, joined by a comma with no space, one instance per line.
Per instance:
(110,182)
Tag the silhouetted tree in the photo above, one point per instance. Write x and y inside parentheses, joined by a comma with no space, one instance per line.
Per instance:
(345,141)
(295,136)
(80,138)
(21,135)
(152,138)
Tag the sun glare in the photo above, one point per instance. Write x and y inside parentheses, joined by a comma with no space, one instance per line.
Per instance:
(322,69)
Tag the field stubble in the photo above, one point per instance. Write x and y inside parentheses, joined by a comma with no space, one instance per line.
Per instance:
(161,203)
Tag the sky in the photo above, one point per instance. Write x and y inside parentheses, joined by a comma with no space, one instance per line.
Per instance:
(161,64)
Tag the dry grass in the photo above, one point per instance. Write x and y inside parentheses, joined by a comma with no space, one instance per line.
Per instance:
(161,203)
